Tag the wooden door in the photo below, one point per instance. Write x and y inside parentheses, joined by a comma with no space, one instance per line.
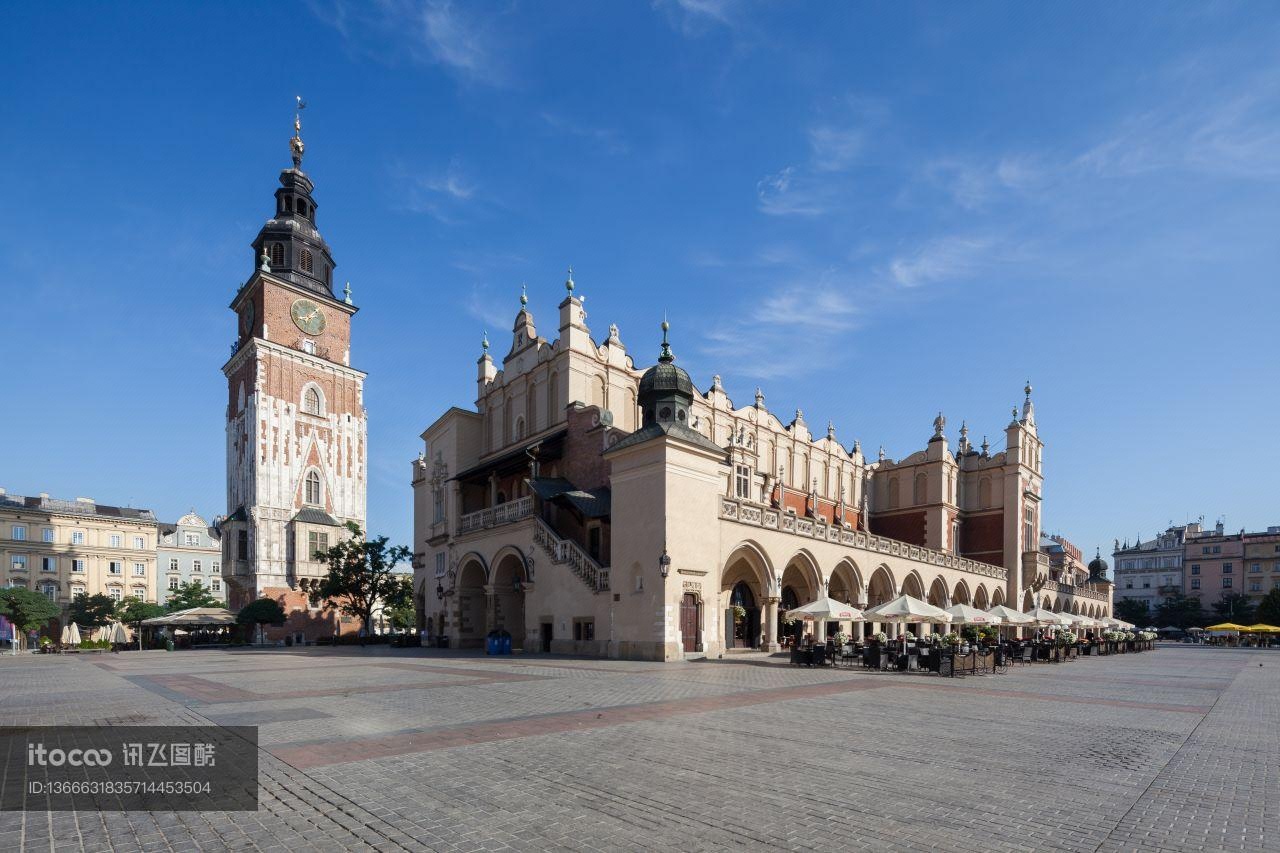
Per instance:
(689,622)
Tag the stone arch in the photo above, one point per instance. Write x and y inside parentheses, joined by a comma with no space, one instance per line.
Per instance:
(938,595)
(997,596)
(881,587)
(1075,608)
(747,577)
(507,582)
(913,585)
(845,583)
(803,575)
(1028,601)
(472,606)
(961,593)
(980,598)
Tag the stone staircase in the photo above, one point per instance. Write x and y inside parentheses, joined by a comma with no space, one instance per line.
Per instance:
(568,552)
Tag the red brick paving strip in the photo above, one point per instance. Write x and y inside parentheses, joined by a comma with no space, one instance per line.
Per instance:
(214,692)
(341,752)
(1054,697)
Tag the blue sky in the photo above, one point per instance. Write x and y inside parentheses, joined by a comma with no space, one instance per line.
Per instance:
(875,211)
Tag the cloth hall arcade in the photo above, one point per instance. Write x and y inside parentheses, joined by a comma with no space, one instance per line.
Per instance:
(588,505)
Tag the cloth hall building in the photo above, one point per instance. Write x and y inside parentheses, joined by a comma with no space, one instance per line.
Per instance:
(590,505)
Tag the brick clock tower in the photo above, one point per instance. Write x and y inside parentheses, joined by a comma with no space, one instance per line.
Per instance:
(296,425)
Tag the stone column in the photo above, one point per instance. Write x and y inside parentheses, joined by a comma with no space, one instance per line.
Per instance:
(490,608)
(771,625)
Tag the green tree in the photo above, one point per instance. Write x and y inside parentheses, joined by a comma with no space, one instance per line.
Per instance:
(191,594)
(92,611)
(264,611)
(133,610)
(1180,611)
(1132,610)
(1234,607)
(361,576)
(1269,609)
(27,610)
(403,617)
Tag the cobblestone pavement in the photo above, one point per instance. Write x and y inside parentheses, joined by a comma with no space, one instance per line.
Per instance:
(416,749)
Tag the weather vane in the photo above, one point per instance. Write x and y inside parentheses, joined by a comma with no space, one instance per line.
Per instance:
(295,144)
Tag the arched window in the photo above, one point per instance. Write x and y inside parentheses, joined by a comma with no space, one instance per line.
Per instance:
(277,254)
(240,398)
(311,401)
(288,204)
(918,490)
(984,492)
(312,491)
(302,207)
(553,396)
(306,260)
(520,428)
(893,493)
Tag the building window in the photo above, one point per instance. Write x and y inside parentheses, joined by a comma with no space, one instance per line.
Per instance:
(19,562)
(139,543)
(77,590)
(584,629)
(1256,567)
(173,583)
(173,564)
(311,401)
(306,260)
(48,564)
(116,540)
(440,566)
(195,565)
(1226,568)
(77,565)
(77,537)
(216,584)
(438,512)
(116,593)
(1195,583)
(139,570)
(50,590)
(1128,584)
(1226,583)
(1195,568)
(192,539)
(312,491)
(1255,586)
(138,592)
(742,482)
(47,534)
(19,533)
(277,253)
(242,545)
(216,568)
(316,543)
(115,567)
(1146,584)
(309,347)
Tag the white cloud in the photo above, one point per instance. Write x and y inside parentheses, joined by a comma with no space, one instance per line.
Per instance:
(943,259)
(697,17)
(603,138)
(447,194)
(834,149)
(783,194)
(484,306)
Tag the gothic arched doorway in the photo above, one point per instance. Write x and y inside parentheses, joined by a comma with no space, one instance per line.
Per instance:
(471,605)
(789,601)
(690,623)
(508,598)
(744,618)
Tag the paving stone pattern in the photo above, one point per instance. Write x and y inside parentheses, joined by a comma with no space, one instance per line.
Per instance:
(1172,750)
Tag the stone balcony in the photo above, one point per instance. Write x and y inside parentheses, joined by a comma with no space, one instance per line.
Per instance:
(1058,587)
(746,512)
(496,515)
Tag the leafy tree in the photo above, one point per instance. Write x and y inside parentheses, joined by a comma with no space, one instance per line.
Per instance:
(1179,611)
(264,611)
(1234,607)
(403,617)
(1132,610)
(133,610)
(93,611)
(1269,608)
(361,576)
(27,610)
(191,594)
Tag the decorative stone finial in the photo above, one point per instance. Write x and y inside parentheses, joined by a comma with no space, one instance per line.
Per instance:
(568,282)
(985,446)
(939,424)
(715,382)
(831,429)
(799,416)
(295,144)
(759,397)
(1027,389)
(882,453)
(346,292)
(857,447)
(1014,412)
(666,357)
(524,296)
(266,259)
(613,332)
(484,342)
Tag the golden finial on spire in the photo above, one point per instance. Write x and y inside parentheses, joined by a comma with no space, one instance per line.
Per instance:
(295,144)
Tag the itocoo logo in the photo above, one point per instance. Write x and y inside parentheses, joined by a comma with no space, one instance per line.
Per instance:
(39,756)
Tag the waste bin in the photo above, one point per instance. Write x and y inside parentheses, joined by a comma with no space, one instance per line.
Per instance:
(442,642)
(168,645)
(504,643)
(492,644)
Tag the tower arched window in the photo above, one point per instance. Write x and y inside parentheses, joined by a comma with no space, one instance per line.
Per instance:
(311,492)
(306,260)
(302,207)
(288,204)
(277,254)
(311,401)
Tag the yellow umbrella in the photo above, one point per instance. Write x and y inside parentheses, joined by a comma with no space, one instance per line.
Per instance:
(1263,629)
(1227,626)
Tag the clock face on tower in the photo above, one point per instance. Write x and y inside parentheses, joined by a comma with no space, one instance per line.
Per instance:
(307,316)
(246,318)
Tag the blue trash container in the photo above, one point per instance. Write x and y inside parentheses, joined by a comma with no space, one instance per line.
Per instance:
(504,643)
(491,643)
